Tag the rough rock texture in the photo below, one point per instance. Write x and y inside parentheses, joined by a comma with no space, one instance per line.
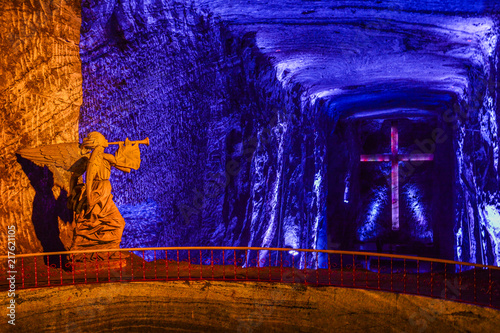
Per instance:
(40,97)
(243,307)
(258,111)
(434,65)
(215,113)
(229,170)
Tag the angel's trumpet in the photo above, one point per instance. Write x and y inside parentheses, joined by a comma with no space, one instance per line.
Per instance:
(144,142)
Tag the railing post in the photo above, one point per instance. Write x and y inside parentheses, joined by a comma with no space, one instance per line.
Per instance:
(258,265)
(329,271)
(156,264)
(212,263)
(73,267)
(61,268)
(22,270)
(246,264)
(109,268)
(48,271)
(189,265)
(166,265)
(305,268)
(490,286)
(121,270)
(178,267)
(432,280)
(366,271)
(85,265)
(281,266)
(36,273)
(96,269)
(132,264)
(392,276)
(270,276)
(234,262)
(460,282)
(378,273)
(445,280)
(404,275)
(475,286)
(317,269)
(418,277)
(143,265)
(201,266)
(223,266)
(353,271)
(341,271)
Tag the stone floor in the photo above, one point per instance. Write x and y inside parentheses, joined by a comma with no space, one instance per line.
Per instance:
(216,306)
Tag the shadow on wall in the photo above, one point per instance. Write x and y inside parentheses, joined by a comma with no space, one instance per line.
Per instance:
(47,208)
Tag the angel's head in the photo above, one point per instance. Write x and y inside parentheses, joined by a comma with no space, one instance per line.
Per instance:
(94,140)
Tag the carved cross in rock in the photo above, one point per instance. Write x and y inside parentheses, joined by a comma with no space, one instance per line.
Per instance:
(394,157)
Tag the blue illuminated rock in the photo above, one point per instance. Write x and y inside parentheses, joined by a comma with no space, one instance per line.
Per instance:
(257,115)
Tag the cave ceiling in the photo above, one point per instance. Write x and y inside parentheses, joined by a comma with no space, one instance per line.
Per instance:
(363,56)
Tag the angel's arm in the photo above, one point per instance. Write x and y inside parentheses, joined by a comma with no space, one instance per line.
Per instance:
(112,160)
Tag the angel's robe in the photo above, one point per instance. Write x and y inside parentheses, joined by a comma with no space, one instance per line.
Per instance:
(100,226)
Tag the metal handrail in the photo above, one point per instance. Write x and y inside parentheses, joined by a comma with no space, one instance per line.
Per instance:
(185,248)
(350,269)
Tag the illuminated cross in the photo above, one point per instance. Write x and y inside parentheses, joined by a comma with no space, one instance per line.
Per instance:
(394,157)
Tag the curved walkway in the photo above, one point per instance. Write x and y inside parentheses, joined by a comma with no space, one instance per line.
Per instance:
(219,306)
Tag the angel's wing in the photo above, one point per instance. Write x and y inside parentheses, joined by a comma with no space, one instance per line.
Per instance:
(61,159)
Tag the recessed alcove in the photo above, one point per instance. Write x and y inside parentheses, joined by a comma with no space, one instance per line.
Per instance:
(359,193)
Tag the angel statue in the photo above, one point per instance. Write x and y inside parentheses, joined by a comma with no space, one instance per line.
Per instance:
(99,224)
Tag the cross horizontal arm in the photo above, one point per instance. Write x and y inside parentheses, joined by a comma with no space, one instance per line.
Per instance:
(416,157)
(376,158)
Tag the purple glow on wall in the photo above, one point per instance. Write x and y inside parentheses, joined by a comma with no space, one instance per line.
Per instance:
(226,168)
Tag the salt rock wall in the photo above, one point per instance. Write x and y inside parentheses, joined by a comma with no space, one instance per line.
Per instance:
(219,122)
(477,214)
(40,97)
